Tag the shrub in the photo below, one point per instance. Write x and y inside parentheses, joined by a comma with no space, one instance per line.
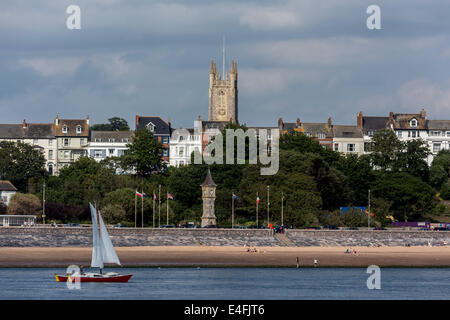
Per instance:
(24,204)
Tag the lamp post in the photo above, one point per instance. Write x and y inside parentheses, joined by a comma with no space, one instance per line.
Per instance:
(268,206)
(159,205)
(43,204)
(282,200)
(368,213)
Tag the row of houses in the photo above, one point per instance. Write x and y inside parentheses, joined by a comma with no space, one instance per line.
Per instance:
(65,140)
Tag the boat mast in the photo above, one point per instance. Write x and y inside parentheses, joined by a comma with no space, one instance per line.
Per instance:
(97,212)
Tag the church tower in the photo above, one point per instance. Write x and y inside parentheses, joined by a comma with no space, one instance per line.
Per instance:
(223,94)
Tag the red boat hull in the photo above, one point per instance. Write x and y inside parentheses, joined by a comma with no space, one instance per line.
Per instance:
(120,278)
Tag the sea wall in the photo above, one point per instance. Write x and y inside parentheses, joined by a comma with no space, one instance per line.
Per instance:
(124,237)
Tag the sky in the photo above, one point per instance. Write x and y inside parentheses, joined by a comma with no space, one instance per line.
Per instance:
(308,59)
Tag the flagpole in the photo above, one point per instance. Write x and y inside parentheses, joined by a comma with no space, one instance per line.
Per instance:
(142,208)
(159,206)
(167,200)
(268,206)
(232,210)
(153,208)
(282,199)
(135,208)
(257,204)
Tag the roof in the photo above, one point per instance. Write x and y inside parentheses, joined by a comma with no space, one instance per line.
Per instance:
(315,128)
(214,125)
(347,131)
(72,125)
(161,126)
(27,131)
(209,182)
(402,121)
(374,123)
(104,136)
(438,124)
(6,185)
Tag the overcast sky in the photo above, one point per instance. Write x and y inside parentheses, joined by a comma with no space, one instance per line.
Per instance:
(310,59)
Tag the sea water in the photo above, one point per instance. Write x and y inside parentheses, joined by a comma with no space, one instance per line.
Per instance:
(233,283)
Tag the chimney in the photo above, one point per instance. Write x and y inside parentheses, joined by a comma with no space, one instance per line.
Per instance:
(87,119)
(24,124)
(423,114)
(57,121)
(299,124)
(199,118)
(391,120)
(359,120)
(137,122)
(329,121)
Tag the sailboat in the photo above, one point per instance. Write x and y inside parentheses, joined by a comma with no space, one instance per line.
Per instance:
(102,252)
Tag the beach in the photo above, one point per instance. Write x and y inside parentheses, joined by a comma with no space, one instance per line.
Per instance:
(227,256)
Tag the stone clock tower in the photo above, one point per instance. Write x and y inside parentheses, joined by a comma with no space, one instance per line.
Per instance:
(208,196)
(223,94)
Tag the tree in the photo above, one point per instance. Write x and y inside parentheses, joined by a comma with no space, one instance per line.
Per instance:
(113,213)
(413,157)
(143,154)
(445,191)
(115,124)
(19,162)
(24,204)
(411,198)
(384,149)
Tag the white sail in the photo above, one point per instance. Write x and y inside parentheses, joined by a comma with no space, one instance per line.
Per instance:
(97,260)
(109,255)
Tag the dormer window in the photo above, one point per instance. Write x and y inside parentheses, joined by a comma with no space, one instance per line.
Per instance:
(151,127)
(413,123)
(64,129)
(79,129)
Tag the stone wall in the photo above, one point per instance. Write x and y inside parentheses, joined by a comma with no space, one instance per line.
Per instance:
(82,237)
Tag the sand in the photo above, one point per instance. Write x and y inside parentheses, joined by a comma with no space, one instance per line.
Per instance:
(231,256)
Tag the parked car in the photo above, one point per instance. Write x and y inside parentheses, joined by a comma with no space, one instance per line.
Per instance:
(73,225)
(440,229)
(119,225)
(313,228)
(188,225)
(331,227)
(352,228)
(379,228)
(211,226)
(167,226)
(240,227)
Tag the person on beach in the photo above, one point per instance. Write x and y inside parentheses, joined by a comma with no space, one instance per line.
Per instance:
(315,263)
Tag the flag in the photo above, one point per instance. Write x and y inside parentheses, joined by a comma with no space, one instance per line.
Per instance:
(154,197)
(169,196)
(257,199)
(235,196)
(142,195)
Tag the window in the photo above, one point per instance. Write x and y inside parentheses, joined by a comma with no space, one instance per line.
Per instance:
(435,133)
(399,134)
(98,140)
(66,154)
(165,140)
(413,123)
(111,152)
(307,134)
(181,138)
(79,129)
(165,153)
(413,133)
(370,133)
(50,169)
(181,152)
(150,126)
(50,142)
(448,133)
(35,141)
(82,141)
(112,140)
(321,135)
(50,154)
(66,142)
(336,147)
(436,147)
(350,147)
(98,154)
(64,129)
(125,140)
